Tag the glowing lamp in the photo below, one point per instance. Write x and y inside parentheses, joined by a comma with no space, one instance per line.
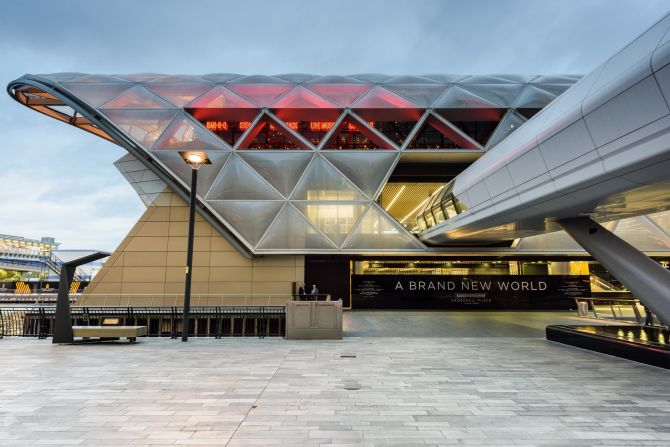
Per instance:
(195,159)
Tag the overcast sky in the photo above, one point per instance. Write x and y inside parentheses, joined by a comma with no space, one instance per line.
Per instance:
(59,181)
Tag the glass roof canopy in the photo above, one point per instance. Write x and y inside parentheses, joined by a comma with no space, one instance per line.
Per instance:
(298,160)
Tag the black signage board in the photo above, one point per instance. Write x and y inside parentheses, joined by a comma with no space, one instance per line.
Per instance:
(518,292)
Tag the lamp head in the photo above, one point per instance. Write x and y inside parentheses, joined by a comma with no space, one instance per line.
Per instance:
(195,159)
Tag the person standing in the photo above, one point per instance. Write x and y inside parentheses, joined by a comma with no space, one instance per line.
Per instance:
(315,292)
(302,292)
(649,316)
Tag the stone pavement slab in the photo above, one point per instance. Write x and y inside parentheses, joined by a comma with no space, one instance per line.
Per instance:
(435,391)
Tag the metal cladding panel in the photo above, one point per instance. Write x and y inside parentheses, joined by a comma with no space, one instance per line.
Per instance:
(499,182)
(527,166)
(638,106)
(635,54)
(570,143)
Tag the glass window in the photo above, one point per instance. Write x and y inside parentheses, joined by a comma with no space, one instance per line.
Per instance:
(430,220)
(437,213)
(448,208)
(421,222)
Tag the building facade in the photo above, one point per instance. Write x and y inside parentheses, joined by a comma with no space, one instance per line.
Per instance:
(324,179)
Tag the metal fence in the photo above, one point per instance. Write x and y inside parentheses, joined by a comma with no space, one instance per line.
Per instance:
(204,321)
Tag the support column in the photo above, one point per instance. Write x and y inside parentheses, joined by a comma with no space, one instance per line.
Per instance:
(62,330)
(643,276)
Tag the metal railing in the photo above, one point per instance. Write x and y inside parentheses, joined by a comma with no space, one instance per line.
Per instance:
(205,321)
(621,309)
(239,299)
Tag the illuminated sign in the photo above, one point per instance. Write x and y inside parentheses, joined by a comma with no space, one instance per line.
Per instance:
(314,126)
(224,126)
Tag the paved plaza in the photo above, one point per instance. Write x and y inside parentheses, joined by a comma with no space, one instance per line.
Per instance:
(363,391)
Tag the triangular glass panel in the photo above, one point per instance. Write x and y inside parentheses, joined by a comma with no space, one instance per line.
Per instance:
(395,130)
(296,77)
(458,98)
(436,134)
(314,130)
(221,77)
(97,79)
(444,78)
(502,94)
(269,134)
(96,94)
(408,79)
(350,134)
(662,220)
(181,79)
(554,89)
(483,79)
(377,231)
(372,77)
(642,234)
(380,98)
(206,175)
(301,98)
(250,218)
(533,98)
(556,79)
(335,220)
(322,181)
(184,134)
(144,126)
(260,79)
(261,94)
(221,98)
(422,95)
(556,241)
(510,122)
(179,94)
(302,105)
(281,169)
(292,231)
(137,97)
(367,170)
(61,77)
(237,181)
(334,79)
(141,77)
(342,94)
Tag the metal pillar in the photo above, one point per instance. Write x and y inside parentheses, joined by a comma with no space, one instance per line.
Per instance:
(189,257)
(643,276)
(62,331)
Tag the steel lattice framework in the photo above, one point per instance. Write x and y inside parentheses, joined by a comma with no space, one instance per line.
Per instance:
(298,161)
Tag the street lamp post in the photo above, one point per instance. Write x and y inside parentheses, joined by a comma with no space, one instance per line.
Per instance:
(195,160)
